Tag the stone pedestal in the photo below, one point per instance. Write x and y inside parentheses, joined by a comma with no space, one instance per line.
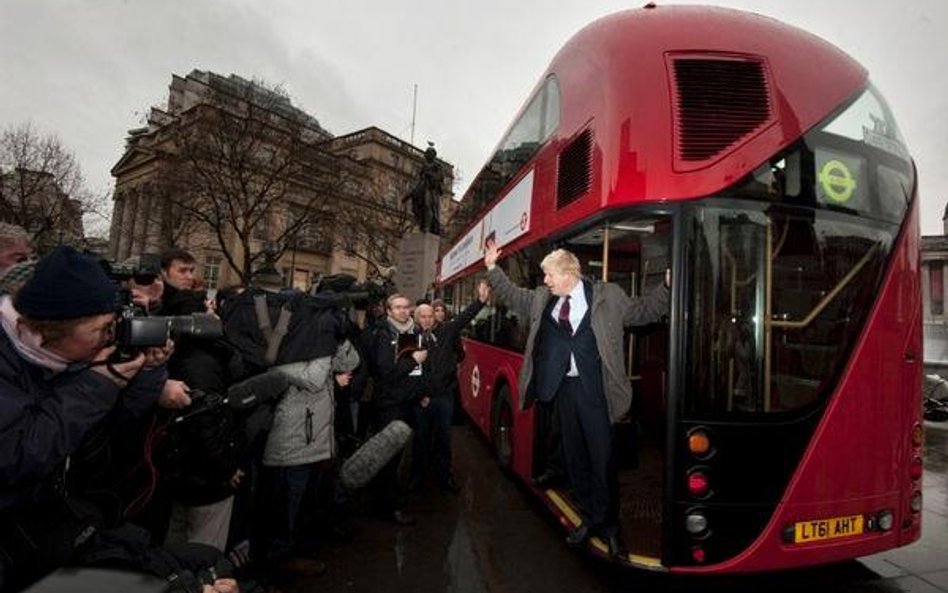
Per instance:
(417,256)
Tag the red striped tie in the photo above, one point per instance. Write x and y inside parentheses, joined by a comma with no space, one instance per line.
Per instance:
(564,315)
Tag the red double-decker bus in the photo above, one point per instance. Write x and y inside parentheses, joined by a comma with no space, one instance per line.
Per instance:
(776,416)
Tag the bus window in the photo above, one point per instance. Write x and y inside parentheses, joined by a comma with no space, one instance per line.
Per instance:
(447,295)
(777,299)
(496,324)
(533,128)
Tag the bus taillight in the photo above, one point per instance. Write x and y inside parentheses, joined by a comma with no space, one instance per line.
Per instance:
(699,485)
(917,435)
(915,503)
(915,470)
(699,442)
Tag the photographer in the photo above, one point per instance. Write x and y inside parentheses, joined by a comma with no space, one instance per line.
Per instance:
(197,455)
(201,461)
(58,383)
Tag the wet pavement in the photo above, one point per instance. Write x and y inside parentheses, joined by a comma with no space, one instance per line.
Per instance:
(495,537)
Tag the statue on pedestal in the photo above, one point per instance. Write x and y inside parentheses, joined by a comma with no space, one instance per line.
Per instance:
(426,194)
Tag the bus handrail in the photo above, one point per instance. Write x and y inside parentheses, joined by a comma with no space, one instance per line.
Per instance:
(826,300)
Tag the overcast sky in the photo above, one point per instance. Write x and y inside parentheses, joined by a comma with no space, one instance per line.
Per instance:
(89,70)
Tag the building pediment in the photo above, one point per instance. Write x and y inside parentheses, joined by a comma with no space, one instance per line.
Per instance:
(134,157)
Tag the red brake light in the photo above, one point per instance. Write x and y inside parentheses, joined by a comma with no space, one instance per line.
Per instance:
(915,470)
(698,483)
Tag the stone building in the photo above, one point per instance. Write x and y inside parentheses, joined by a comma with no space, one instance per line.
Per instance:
(321,204)
(934,313)
(35,201)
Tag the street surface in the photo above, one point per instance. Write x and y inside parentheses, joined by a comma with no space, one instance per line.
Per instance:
(494,537)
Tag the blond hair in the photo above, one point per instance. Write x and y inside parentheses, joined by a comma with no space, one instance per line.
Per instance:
(392,298)
(560,261)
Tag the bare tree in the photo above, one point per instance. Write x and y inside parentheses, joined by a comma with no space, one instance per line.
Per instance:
(240,160)
(374,221)
(42,187)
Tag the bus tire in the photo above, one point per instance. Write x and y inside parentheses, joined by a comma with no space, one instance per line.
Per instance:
(502,428)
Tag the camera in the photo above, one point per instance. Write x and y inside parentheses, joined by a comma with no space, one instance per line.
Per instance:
(143,271)
(135,329)
(351,293)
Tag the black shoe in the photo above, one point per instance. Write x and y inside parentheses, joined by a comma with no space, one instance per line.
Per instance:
(450,485)
(578,536)
(402,518)
(615,547)
(549,478)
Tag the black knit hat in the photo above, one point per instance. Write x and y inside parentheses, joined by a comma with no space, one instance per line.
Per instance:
(66,285)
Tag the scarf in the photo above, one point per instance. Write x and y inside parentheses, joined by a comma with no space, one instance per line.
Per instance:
(28,344)
(402,328)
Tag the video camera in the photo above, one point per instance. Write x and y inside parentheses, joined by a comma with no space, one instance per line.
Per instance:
(135,329)
(351,293)
(144,272)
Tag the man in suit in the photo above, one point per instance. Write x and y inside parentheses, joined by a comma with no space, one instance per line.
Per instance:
(574,355)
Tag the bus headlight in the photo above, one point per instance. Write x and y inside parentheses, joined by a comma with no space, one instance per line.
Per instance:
(884,520)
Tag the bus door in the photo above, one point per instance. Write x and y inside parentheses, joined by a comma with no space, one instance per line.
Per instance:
(633,251)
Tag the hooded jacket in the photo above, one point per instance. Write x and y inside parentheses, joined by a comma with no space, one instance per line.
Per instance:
(302,430)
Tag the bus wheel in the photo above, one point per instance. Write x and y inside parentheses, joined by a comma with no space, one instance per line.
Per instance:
(502,428)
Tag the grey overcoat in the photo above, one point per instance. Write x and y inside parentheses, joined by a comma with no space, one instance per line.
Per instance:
(611,312)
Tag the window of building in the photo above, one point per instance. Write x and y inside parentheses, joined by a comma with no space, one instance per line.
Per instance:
(261,230)
(936,286)
(212,270)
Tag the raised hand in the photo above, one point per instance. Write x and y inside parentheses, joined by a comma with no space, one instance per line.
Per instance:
(491,254)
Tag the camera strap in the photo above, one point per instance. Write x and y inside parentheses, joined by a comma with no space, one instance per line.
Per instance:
(109,366)
(273,335)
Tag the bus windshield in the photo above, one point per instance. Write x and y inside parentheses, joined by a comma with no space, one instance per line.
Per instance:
(782,280)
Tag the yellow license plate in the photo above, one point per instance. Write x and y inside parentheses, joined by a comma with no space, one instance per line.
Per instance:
(820,529)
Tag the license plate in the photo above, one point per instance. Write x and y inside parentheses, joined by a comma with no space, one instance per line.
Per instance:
(820,529)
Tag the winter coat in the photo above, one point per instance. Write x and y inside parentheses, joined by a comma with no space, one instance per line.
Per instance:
(302,429)
(201,453)
(44,417)
(394,385)
(441,366)
(611,311)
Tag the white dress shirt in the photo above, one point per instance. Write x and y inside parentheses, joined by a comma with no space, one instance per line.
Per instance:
(577,310)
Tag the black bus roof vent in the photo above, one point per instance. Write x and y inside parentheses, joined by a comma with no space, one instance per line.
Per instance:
(575,169)
(719,103)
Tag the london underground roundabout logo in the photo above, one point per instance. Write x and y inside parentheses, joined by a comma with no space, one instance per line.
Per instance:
(475,380)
